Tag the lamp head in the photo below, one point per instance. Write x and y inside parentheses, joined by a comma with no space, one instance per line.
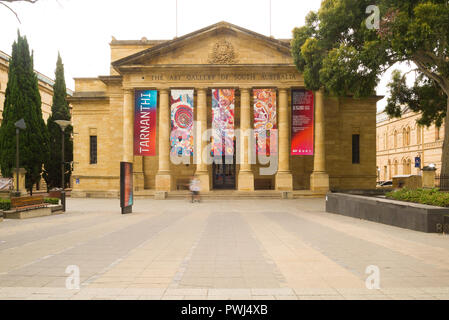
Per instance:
(20,124)
(63,124)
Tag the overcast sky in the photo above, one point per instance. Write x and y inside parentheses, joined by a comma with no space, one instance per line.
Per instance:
(81,29)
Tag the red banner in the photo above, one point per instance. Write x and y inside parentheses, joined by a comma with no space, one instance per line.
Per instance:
(302,123)
(145,114)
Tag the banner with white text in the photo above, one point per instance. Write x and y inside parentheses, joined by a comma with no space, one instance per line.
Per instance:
(145,113)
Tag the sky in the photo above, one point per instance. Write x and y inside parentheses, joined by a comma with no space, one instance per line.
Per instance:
(81,30)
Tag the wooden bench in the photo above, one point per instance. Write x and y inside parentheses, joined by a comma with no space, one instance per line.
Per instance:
(28,203)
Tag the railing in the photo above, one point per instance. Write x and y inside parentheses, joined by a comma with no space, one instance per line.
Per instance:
(442,182)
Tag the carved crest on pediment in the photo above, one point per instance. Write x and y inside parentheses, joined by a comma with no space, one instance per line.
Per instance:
(223,53)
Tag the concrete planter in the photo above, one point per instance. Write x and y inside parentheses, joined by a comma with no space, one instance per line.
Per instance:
(401,214)
(41,212)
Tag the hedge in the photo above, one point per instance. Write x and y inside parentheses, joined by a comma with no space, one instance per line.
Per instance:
(51,200)
(432,197)
(5,204)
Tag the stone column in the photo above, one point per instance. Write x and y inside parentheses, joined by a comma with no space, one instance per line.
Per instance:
(22,189)
(245,180)
(201,168)
(128,123)
(319,179)
(163,176)
(284,178)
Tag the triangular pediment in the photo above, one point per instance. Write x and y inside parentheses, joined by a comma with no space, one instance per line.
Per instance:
(219,44)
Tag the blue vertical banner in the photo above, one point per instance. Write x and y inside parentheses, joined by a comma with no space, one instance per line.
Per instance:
(145,117)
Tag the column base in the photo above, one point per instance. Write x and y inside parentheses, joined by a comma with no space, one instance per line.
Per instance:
(284,181)
(204,181)
(245,181)
(319,181)
(164,182)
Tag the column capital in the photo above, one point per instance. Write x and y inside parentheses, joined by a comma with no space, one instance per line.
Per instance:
(245,89)
(164,90)
(128,90)
(283,89)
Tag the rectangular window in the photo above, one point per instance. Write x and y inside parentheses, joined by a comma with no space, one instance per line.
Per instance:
(93,149)
(355,148)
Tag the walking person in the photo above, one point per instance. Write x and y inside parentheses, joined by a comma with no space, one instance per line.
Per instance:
(195,189)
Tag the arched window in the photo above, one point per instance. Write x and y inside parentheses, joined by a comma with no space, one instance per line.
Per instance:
(409,166)
(408,136)
(386,140)
(418,134)
(404,137)
(389,171)
(395,139)
(395,167)
(437,133)
(404,166)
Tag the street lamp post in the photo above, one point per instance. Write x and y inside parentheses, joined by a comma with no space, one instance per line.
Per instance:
(20,125)
(63,124)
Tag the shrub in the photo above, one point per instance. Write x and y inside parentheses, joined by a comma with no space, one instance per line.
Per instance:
(51,200)
(5,204)
(432,197)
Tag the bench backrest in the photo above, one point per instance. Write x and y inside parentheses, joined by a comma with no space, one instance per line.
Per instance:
(26,201)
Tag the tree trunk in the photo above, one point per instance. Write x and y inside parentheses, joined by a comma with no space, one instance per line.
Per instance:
(444,174)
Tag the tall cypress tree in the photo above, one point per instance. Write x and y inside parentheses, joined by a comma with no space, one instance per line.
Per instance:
(23,100)
(59,111)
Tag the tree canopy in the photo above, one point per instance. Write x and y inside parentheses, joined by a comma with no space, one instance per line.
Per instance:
(59,111)
(347,45)
(23,100)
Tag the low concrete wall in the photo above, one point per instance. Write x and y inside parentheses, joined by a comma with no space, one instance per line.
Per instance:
(1,215)
(395,213)
(41,212)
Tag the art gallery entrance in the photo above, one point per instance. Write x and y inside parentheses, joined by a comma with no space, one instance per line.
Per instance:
(223,170)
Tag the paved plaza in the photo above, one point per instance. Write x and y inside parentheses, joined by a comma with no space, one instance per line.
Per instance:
(217,249)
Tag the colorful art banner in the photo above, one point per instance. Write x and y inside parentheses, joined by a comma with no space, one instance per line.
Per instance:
(223,101)
(145,113)
(302,123)
(264,120)
(181,136)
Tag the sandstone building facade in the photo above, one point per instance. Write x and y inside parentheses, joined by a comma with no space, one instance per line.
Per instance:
(221,56)
(401,140)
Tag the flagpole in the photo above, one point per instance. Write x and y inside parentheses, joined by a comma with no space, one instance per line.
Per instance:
(176,18)
(270,20)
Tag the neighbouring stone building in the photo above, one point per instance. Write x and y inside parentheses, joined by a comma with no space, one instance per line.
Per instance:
(401,140)
(220,57)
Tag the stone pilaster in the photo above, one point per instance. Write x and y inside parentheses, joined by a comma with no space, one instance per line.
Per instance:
(201,168)
(128,123)
(245,180)
(284,177)
(164,181)
(319,179)
(139,180)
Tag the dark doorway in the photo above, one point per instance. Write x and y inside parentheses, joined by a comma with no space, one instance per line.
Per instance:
(224,172)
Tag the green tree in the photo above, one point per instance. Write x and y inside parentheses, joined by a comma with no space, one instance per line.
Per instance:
(59,111)
(342,50)
(22,100)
